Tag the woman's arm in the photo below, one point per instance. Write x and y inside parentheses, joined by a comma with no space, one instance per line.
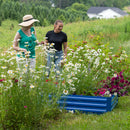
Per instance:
(65,49)
(16,41)
(65,54)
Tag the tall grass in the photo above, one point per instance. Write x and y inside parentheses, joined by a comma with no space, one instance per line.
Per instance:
(113,30)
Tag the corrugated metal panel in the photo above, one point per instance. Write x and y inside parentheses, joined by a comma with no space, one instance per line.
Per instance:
(88,104)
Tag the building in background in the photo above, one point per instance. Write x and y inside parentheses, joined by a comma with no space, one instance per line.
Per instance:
(105,12)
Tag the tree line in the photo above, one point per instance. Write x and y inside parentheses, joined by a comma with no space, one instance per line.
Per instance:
(108,3)
(65,3)
(47,11)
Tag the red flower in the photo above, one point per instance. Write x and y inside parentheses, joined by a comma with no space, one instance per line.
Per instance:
(47,80)
(122,80)
(117,84)
(116,55)
(110,57)
(63,81)
(55,82)
(16,81)
(1,80)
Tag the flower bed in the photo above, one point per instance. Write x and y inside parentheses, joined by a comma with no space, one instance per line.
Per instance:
(88,104)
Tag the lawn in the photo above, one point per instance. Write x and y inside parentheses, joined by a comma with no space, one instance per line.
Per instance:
(119,118)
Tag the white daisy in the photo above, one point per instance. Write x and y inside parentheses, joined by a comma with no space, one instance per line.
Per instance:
(65,92)
(32,86)
(10,72)
(3,67)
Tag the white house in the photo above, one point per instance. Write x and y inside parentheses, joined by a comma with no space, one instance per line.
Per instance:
(105,12)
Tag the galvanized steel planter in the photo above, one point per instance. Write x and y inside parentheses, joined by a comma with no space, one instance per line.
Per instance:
(88,104)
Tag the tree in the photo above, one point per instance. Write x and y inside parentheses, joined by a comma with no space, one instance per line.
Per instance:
(79,7)
(61,17)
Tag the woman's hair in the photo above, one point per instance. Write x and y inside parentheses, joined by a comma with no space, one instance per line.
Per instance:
(58,21)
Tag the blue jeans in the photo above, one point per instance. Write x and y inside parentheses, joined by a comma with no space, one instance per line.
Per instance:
(55,58)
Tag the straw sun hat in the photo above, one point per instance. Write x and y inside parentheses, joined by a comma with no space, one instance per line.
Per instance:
(28,20)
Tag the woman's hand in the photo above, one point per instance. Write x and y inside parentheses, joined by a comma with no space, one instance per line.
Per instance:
(63,62)
(42,42)
(22,50)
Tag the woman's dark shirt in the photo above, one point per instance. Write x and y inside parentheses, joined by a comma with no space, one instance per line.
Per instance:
(57,38)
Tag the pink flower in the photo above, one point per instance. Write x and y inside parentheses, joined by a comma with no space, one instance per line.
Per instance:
(25,106)
(55,82)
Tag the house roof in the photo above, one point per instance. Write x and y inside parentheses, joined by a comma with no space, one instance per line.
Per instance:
(97,10)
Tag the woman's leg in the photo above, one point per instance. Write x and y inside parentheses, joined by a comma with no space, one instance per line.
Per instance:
(22,65)
(58,58)
(32,64)
(50,61)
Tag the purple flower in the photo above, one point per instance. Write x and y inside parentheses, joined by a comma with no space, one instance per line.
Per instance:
(116,84)
(25,106)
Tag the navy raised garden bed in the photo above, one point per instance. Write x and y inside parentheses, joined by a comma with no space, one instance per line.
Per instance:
(88,104)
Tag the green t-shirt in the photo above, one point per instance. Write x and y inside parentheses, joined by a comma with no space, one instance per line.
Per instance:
(28,43)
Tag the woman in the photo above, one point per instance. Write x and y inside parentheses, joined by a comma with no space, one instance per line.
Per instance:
(24,43)
(56,38)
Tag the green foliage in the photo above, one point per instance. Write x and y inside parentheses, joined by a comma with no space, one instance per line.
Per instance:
(61,17)
(16,10)
(109,3)
(0,21)
(45,22)
(79,7)
(91,65)
(25,98)
(127,27)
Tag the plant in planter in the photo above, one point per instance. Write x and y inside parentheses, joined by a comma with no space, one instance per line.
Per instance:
(82,74)
(117,84)
(87,66)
